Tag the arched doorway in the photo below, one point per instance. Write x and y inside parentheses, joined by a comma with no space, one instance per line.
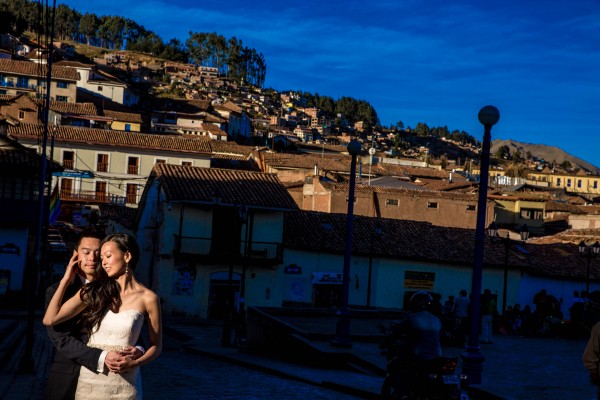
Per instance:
(220,291)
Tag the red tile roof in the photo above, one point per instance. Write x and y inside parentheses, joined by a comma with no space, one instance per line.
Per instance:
(115,138)
(232,187)
(28,68)
(400,192)
(411,240)
(308,161)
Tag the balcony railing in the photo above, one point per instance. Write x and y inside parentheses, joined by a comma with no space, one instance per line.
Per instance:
(259,253)
(91,197)
(68,164)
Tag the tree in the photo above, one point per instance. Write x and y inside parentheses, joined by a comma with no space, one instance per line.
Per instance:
(503,152)
(566,164)
(399,125)
(88,25)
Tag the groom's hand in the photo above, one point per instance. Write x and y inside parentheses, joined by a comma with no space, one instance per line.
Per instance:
(115,362)
(132,352)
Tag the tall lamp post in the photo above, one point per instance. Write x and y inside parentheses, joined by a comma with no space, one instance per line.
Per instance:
(588,252)
(342,331)
(375,233)
(472,357)
(492,230)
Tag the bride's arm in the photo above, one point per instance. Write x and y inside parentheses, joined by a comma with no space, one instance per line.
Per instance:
(55,313)
(154,330)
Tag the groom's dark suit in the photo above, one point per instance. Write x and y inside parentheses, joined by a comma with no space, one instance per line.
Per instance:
(70,351)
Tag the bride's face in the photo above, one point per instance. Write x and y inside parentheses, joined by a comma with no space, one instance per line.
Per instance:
(114,261)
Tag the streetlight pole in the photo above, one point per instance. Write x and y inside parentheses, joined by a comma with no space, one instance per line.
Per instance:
(342,332)
(493,234)
(588,252)
(472,357)
(376,232)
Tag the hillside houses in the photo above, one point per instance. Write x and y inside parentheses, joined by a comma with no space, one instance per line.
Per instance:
(236,192)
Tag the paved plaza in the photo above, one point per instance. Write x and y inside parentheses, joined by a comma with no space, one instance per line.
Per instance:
(195,365)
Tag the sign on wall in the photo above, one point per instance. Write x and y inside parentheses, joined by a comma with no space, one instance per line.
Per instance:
(419,280)
(183,280)
(327,278)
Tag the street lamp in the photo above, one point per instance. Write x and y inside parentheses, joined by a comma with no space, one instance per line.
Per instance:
(492,231)
(472,357)
(375,233)
(342,331)
(588,252)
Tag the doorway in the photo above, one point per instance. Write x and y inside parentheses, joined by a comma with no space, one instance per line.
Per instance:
(220,292)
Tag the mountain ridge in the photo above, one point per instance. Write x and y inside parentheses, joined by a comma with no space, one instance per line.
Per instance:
(546,152)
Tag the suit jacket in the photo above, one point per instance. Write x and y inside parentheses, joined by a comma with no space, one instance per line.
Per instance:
(70,351)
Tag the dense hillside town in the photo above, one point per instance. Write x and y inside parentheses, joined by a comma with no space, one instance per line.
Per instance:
(237,190)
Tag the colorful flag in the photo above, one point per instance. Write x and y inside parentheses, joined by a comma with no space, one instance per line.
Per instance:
(54,205)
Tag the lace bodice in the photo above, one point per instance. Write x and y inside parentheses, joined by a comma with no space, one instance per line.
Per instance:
(118,330)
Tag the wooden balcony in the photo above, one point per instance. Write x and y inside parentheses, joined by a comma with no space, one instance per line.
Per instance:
(243,252)
(89,196)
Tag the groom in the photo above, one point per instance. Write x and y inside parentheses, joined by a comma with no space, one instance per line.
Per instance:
(70,351)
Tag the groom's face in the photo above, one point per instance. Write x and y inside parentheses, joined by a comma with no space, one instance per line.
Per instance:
(88,255)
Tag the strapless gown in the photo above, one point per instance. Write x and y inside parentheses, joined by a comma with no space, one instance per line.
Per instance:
(117,331)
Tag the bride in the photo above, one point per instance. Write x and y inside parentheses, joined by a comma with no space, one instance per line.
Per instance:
(113,309)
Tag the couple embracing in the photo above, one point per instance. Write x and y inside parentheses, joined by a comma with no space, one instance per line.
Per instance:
(99,302)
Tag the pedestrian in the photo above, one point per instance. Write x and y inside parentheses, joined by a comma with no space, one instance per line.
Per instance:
(114,308)
(488,309)
(461,312)
(591,353)
(70,351)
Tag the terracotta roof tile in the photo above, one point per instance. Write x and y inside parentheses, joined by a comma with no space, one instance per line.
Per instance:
(28,68)
(401,192)
(411,240)
(308,161)
(115,138)
(232,187)
(63,107)
(123,116)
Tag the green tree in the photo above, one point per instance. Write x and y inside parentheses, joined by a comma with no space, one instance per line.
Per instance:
(88,25)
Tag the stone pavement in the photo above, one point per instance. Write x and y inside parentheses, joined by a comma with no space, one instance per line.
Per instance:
(515,368)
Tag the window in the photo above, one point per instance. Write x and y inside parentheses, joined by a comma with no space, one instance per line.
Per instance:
(66,187)
(131,194)
(127,127)
(133,165)
(101,191)
(186,163)
(102,163)
(22,82)
(558,182)
(62,85)
(21,114)
(62,98)
(579,183)
(100,88)
(471,207)
(531,213)
(568,182)
(431,204)
(391,202)
(160,161)
(595,184)
(68,159)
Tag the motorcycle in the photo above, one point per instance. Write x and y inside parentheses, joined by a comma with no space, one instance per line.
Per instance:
(436,379)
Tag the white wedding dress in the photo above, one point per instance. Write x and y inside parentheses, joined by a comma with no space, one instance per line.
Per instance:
(117,331)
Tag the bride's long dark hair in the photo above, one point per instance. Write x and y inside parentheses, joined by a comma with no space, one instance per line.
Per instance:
(103,293)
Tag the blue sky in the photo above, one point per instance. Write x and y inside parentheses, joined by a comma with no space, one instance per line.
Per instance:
(436,62)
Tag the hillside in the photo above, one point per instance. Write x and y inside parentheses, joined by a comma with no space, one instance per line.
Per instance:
(545,152)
